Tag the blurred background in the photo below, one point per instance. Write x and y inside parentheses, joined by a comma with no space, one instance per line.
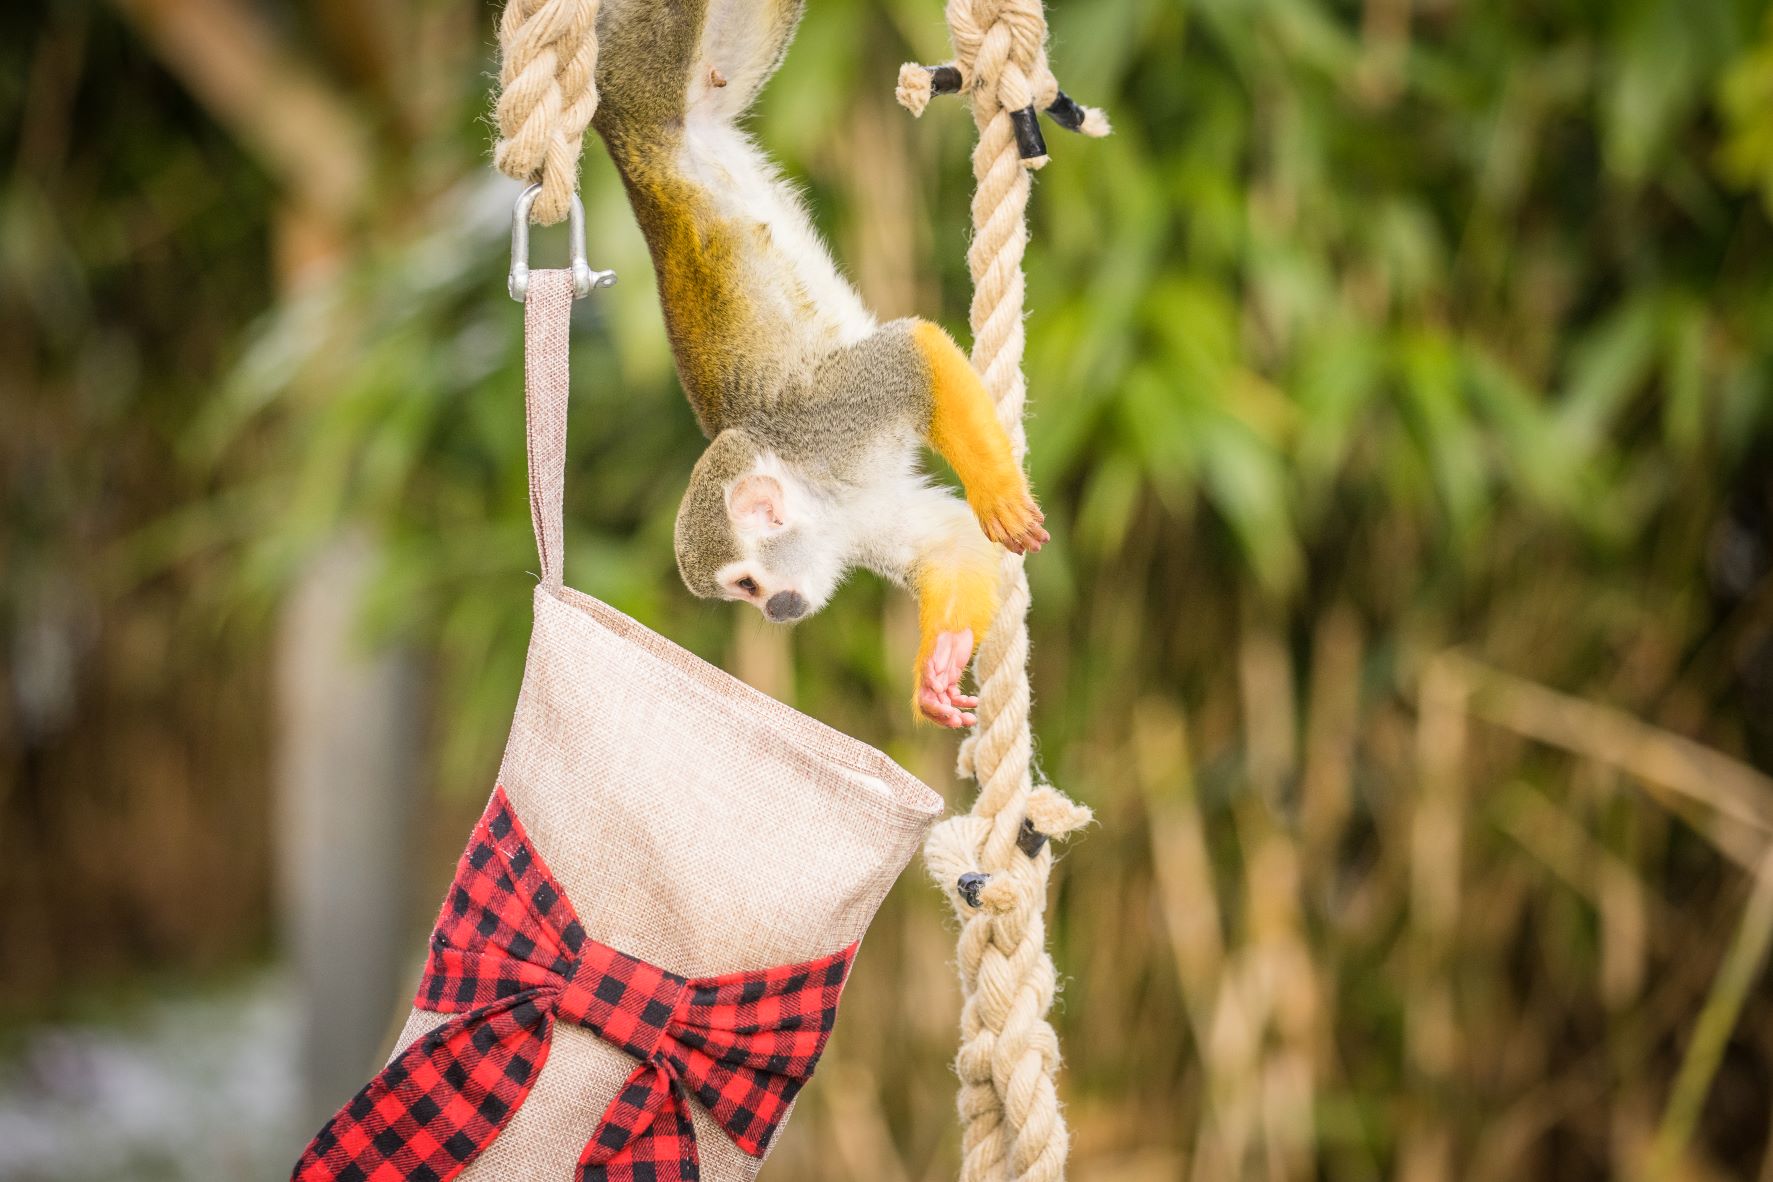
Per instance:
(1401,408)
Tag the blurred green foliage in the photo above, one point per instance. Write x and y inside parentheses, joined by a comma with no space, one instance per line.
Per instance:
(1499,275)
(1375,329)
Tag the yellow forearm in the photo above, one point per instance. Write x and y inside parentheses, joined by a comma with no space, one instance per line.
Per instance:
(964,428)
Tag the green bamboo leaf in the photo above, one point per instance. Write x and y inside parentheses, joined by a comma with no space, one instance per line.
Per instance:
(1531,451)
(1653,80)
(1439,420)
(1337,378)
(1106,513)
(1607,365)
(1158,433)
(1247,482)
(1685,326)
(1745,100)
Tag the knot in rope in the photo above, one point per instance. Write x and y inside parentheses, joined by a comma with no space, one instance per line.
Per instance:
(1001,44)
(1000,59)
(548,93)
(955,851)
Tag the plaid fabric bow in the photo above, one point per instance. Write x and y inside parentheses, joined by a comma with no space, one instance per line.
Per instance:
(509,959)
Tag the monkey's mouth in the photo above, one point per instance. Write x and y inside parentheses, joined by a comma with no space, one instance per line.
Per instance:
(785,607)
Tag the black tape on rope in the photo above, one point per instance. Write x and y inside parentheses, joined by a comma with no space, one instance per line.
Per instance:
(1029,841)
(944,79)
(1066,112)
(1029,142)
(969,886)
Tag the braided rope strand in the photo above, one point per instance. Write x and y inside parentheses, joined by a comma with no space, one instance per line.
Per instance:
(547,95)
(1012,1126)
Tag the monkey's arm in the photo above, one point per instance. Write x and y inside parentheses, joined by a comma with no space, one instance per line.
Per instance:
(964,430)
(956,576)
(911,378)
(959,583)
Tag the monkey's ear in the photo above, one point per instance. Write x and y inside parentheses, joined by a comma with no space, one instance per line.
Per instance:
(757,504)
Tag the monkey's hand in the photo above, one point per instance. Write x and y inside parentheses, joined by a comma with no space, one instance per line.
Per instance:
(1012,520)
(938,686)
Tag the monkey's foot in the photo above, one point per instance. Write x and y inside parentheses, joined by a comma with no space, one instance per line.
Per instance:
(1013,521)
(938,681)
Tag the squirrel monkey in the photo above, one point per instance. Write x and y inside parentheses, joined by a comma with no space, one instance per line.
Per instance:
(815,411)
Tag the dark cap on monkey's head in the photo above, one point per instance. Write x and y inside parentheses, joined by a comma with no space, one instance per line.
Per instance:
(704,535)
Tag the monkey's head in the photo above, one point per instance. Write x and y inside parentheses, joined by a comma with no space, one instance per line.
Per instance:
(748,530)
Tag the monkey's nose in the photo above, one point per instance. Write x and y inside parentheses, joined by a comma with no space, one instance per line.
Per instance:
(785,605)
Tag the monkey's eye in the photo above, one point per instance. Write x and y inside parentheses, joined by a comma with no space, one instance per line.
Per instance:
(748,585)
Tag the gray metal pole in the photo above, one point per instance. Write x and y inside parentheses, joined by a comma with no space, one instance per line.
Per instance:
(348,760)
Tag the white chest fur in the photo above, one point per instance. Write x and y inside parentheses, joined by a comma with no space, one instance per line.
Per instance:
(781,258)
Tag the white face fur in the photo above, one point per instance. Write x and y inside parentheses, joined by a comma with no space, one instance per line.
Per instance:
(794,537)
(788,566)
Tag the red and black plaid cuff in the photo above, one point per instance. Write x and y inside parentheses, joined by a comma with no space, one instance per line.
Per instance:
(509,958)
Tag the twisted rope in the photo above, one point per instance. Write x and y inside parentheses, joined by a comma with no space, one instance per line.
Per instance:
(547,95)
(1009,1054)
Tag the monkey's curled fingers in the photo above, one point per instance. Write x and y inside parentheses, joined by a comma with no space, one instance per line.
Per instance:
(1014,522)
(938,687)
